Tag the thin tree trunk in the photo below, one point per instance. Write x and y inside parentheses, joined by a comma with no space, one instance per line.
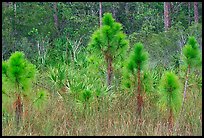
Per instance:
(100,14)
(39,52)
(186,83)
(55,16)
(18,105)
(139,97)
(189,14)
(184,97)
(14,24)
(170,121)
(166,15)
(196,12)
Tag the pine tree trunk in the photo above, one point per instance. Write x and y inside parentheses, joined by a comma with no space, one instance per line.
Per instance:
(196,12)
(18,110)
(100,14)
(166,15)
(139,97)
(170,121)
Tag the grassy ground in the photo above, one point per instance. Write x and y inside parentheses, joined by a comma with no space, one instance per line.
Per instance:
(104,116)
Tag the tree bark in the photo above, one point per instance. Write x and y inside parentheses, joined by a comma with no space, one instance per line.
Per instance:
(170,121)
(166,15)
(196,12)
(139,97)
(55,16)
(100,14)
(18,105)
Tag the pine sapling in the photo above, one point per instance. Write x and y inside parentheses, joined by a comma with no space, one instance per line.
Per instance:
(19,73)
(110,41)
(170,93)
(192,57)
(136,63)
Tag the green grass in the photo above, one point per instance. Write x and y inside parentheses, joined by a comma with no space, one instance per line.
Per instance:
(106,115)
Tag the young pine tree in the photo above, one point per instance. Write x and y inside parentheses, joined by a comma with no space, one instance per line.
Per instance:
(110,41)
(136,63)
(170,93)
(192,57)
(19,73)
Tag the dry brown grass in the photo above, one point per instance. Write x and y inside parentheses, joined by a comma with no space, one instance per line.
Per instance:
(114,118)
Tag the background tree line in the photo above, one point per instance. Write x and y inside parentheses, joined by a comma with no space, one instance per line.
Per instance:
(64,28)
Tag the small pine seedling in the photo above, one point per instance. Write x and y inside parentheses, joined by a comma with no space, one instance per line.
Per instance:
(170,93)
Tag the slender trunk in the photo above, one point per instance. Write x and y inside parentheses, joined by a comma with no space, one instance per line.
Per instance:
(55,16)
(18,110)
(100,14)
(196,12)
(186,83)
(189,15)
(39,53)
(170,121)
(14,24)
(139,97)
(166,15)
(184,97)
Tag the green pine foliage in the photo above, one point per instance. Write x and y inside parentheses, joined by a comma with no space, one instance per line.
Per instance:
(138,58)
(18,71)
(170,92)
(192,54)
(86,95)
(109,39)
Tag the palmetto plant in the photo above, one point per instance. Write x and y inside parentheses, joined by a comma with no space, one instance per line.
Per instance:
(58,78)
(170,95)
(18,73)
